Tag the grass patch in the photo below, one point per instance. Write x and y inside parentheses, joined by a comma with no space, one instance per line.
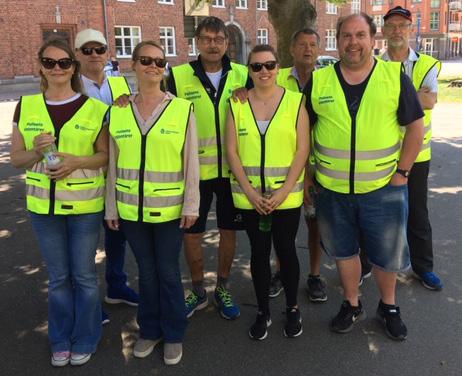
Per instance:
(449,94)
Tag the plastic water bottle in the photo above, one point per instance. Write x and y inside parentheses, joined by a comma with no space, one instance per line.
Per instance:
(264,224)
(51,159)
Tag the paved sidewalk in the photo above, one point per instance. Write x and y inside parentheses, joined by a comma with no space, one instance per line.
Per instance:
(217,347)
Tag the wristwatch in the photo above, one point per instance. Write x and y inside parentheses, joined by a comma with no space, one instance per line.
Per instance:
(404,173)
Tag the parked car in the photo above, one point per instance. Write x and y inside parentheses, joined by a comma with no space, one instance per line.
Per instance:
(324,61)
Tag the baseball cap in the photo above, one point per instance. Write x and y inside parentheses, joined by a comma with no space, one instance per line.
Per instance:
(89,35)
(398,11)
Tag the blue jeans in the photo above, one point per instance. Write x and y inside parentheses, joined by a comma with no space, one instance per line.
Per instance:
(377,218)
(161,310)
(68,244)
(114,245)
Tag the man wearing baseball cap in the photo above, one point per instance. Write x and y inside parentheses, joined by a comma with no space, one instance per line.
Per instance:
(423,70)
(92,53)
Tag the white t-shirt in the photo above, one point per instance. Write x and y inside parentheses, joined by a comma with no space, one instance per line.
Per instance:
(263,125)
(215,78)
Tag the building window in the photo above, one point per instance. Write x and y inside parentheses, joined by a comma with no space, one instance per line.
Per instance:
(435,3)
(355,6)
(416,1)
(262,36)
(331,42)
(331,8)
(241,4)
(434,20)
(169,2)
(218,3)
(127,1)
(192,47)
(262,4)
(377,2)
(126,38)
(167,39)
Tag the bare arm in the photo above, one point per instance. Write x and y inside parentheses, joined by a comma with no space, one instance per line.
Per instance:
(412,143)
(22,158)
(427,98)
(110,205)
(299,162)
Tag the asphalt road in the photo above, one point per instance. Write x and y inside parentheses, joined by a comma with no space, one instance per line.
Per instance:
(214,346)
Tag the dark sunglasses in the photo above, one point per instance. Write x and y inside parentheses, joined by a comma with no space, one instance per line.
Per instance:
(147,61)
(65,63)
(89,50)
(269,65)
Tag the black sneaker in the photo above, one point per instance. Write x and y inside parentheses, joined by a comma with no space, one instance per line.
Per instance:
(293,327)
(275,285)
(391,319)
(364,274)
(347,317)
(316,289)
(258,330)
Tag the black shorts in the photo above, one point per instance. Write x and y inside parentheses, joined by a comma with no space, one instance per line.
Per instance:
(228,217)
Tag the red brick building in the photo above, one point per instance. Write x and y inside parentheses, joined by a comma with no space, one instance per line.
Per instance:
(25,24)
(437,24)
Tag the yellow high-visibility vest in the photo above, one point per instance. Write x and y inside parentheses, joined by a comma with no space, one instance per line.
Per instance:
(82,192)
(267,158)
(361,155)
(210,117)
(150,183)
(287,81)
(119,86)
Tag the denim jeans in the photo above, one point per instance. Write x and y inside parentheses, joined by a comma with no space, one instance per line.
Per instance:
(114,245)
(161,310)
(68,245)
(375,219)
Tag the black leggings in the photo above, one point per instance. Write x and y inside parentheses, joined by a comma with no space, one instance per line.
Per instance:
(283,231)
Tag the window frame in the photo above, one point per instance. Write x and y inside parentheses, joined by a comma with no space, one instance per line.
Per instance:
(163,40)
(331,8)
(262,4)
(242,2)
(331,36)
(261,37)
(122,37)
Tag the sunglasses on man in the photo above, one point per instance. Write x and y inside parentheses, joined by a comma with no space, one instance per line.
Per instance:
(89,50)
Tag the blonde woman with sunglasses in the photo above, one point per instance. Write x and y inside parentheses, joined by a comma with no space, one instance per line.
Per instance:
(267,148)
(65,199)
(152,195)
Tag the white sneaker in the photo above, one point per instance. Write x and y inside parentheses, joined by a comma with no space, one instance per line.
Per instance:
(77,359)
(172,353)
(60,358)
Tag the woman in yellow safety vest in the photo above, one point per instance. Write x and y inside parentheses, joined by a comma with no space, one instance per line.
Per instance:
(267,148)
(152,194)
(60,139)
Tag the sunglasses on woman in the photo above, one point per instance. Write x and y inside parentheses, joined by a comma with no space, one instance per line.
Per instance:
(64,63)
(269,65)
(89,50)
(147,61)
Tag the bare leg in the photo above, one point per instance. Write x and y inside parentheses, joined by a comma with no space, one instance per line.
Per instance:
(194,255)
(226,250)
(350,271)
(387,284)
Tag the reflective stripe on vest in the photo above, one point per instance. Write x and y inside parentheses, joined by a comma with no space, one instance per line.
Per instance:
(119,86)
(356,155)
(210,118)
(421,68)
(267,158)
(150,165)
(82,191)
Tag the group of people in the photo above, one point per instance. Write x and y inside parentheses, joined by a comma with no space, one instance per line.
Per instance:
(242,134)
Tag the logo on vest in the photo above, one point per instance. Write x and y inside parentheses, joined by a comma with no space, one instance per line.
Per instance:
(34,127)
(82,128)
(123,133)
(325,100)
(243,132)
(168,131)
(190,95)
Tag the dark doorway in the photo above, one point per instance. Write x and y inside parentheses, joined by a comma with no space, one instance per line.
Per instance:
(235,44)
